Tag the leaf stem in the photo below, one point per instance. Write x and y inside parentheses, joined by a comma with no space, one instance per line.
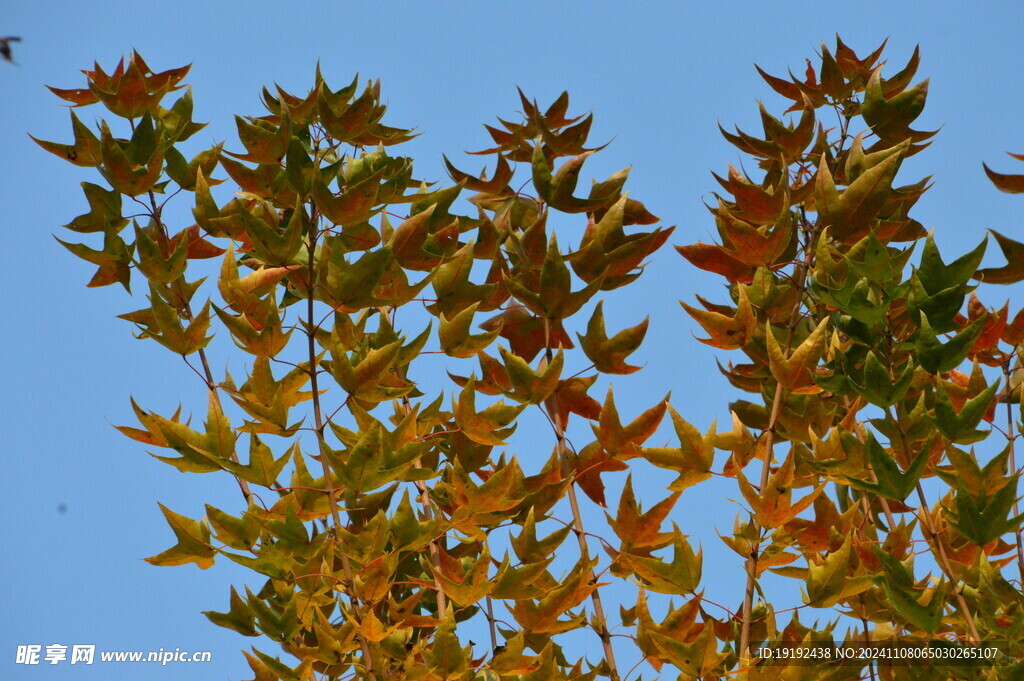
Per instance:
(935,541)
(800,280)
(369,661)
(207,375)
(580,531)
(1011,437)
(428,510)
(947,568)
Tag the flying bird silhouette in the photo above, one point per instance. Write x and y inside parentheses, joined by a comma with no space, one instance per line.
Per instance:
(5,47)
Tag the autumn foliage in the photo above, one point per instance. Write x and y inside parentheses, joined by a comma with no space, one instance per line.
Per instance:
(383,515)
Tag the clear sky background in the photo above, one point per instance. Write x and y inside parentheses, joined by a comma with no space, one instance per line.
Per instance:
(78,502)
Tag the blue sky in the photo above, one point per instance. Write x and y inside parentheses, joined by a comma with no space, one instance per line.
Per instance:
(78,506)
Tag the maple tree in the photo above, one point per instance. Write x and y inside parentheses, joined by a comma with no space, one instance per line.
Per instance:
(382,515)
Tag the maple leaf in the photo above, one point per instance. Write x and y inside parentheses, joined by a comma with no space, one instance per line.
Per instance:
(193,543)
(530,549)
(456,339)
(698,658)
(570,397)
(608,354)
(624,442)
(795,370)
(692,459)
(239,617)
(531,386)
(525,332)
(487,427)
(773,506)
(85,151)
(727,332)
(849,213)
(714,258)
(640,532)
(468,586)
(829,581)
(544,616)
(1012,271)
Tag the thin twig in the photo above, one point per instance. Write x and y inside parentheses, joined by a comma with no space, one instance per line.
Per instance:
(940,549)
(936,542)
(580,531)
(769,442)
(368,658)
(207,375)
(1011,437)
(428,510)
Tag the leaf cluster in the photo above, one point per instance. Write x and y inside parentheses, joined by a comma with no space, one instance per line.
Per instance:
(383,516)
